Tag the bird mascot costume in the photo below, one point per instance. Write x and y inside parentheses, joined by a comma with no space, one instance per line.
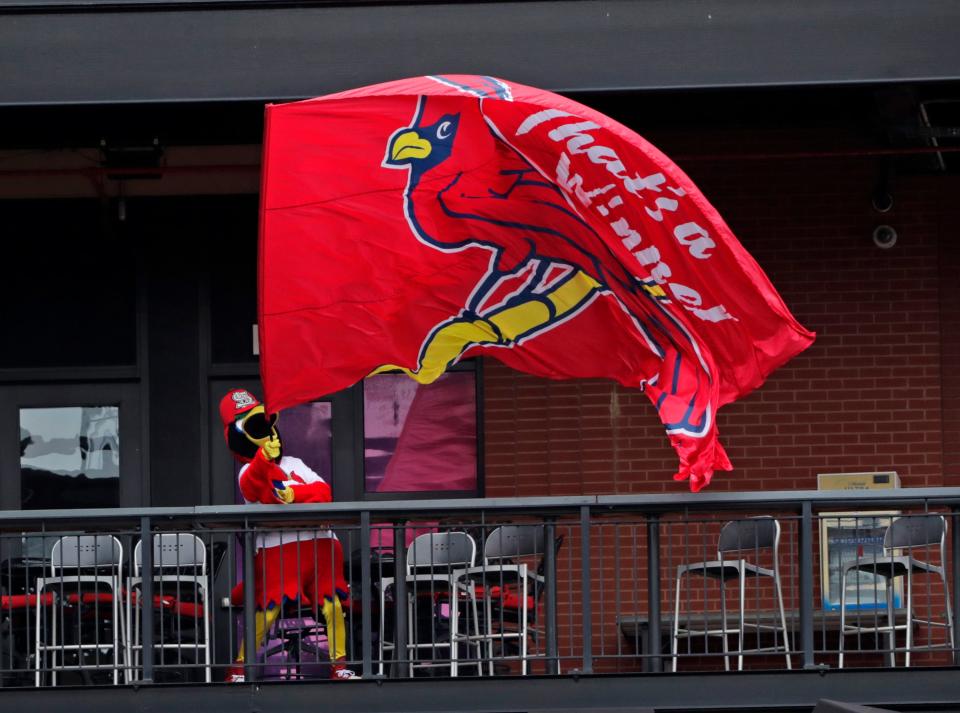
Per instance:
(304,566)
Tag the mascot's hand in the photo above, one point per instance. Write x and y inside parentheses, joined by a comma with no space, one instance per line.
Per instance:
(271,449)
(282,492)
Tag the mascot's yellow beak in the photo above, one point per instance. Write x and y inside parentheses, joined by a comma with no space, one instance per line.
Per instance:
(257,426)
(409,145)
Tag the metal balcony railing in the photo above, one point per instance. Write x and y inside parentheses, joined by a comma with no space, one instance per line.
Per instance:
(481,588)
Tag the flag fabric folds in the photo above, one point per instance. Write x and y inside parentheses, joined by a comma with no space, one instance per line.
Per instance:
(411,224)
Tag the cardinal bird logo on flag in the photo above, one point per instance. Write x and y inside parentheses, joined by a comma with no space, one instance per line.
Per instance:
(411,224)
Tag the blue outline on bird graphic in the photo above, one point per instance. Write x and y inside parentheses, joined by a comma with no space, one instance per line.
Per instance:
(526,291)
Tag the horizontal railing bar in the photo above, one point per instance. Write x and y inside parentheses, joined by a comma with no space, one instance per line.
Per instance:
(236,513)
(784,500)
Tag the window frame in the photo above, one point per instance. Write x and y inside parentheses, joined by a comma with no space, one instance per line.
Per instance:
(349,476)
(474,365)
(124,395)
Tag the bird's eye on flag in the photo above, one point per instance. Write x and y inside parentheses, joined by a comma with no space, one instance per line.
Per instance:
(411,224)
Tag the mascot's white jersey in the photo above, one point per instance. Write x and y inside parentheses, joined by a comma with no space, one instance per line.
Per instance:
(297,472)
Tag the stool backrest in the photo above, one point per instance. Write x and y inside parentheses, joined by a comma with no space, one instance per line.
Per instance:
(79,551)
(915,531)
(512,541)
(441,549)
(174,550)
(755,533)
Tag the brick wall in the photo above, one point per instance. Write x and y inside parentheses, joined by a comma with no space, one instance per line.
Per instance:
(874,392)
(878,390)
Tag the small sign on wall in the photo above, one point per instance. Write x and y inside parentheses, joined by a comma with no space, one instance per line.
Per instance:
(256,340)
(848,536)
(858,481)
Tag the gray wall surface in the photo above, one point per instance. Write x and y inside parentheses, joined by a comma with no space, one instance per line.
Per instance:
(63,51)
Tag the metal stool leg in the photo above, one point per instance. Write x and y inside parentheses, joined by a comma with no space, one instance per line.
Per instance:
(455,630)
(676,623)
(891,622)
(743,601)
(723,624)
(843,613)
(909,637)
(37,651)
(783,617)
(948,608)
(523,625)
(383,627)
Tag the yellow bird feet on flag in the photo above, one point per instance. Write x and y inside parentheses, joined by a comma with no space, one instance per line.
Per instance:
(445,345)
(523,317)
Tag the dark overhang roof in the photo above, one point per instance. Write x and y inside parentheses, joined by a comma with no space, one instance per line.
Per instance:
(87,51)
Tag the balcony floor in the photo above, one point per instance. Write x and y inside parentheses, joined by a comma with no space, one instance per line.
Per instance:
(919,689)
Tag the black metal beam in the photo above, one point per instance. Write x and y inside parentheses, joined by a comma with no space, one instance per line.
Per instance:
(74,51)
(599,504)
(919,688)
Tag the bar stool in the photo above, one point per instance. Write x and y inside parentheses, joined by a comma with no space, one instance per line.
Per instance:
(433,563)
(907,532)
(502,568)
(180,594)
(736,536)
(85,579)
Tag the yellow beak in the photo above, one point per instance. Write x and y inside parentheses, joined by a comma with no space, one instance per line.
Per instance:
(409,145)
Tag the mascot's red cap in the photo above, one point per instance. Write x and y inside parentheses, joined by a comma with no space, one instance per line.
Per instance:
(236,403)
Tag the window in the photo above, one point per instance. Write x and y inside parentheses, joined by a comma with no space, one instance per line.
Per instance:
(385,438)
(231,248)
(420,437)
(70,446)
(306,432)
(64,257)
(308,428)
(69,457)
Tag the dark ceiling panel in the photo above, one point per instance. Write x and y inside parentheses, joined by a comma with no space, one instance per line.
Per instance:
(87,54)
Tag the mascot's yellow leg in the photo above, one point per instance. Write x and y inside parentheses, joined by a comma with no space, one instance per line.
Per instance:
(336,629)
(451,339)
(263,620)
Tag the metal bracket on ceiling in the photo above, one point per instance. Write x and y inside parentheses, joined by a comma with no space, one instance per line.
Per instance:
(126,160)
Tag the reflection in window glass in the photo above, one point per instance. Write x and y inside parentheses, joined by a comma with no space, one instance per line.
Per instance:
(69,457)
(306,433)
(420,437)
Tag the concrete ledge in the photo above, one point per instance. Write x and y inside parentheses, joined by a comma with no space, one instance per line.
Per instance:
(921,688)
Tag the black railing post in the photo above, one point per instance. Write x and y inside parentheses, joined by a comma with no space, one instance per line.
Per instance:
(653,594)
(249,618)
(146,600)
(586,608)
(550,596)
(401,665)
(806,584)
(955,562)
(366,592)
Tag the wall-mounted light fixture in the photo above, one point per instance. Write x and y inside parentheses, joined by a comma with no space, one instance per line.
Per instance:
(884,237)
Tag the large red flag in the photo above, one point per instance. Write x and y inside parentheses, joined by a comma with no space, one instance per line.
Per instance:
(410,224)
